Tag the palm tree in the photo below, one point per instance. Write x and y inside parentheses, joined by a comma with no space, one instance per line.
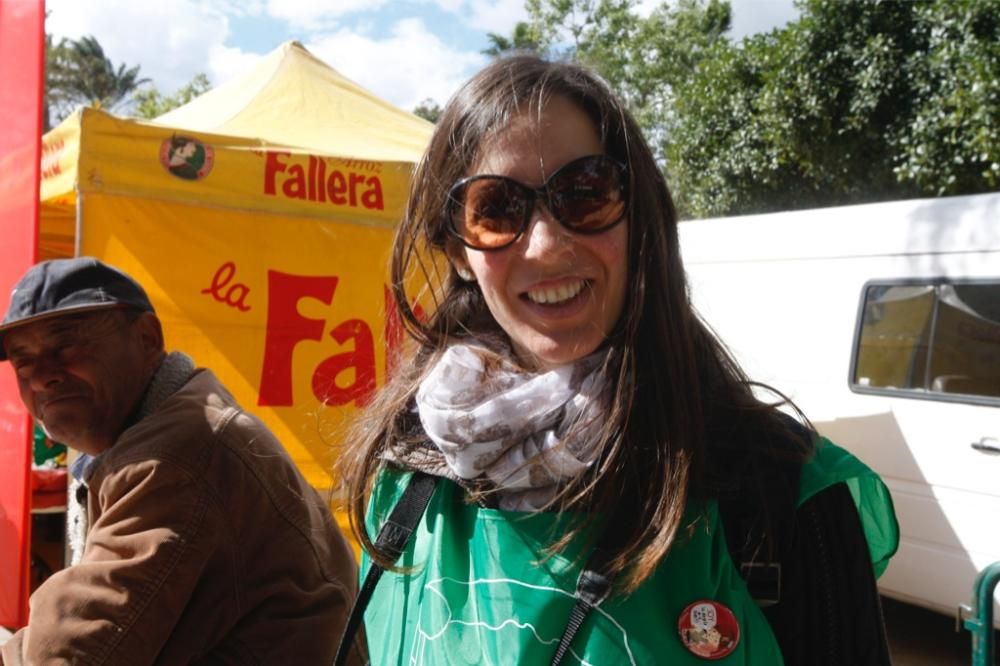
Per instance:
(80,73)
(524,38)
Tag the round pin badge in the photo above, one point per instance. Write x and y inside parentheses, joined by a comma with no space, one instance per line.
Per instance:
(709,629)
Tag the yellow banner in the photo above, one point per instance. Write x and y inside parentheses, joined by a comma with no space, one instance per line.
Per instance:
(288,311)
(122,156)
(60,151)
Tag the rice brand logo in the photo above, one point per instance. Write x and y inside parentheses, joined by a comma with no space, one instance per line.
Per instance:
(186,157)
(225,291)
(339,379)
(319,179)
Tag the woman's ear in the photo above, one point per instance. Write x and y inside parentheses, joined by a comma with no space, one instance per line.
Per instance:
(456,256)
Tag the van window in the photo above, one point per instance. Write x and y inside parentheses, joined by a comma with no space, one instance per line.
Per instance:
(931,339)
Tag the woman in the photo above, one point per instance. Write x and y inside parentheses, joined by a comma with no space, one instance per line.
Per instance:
(585,428)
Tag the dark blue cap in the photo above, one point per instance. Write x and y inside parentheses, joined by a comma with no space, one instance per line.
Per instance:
(67,286)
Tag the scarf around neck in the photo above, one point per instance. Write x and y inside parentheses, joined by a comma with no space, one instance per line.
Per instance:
(524,435)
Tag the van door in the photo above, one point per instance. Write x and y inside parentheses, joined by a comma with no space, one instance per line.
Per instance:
(930,348)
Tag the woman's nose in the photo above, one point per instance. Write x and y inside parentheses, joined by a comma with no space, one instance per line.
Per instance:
(544,233)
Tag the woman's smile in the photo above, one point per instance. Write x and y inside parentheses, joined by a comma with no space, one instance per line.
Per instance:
(556,295)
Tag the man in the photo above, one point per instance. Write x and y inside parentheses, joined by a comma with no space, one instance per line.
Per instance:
(204,544)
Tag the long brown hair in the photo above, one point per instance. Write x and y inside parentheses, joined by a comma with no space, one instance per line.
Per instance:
(676,396)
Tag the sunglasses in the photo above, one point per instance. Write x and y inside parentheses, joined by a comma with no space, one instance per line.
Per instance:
(587,196)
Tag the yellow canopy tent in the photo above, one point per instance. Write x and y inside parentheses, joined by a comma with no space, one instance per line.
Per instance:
(259,218)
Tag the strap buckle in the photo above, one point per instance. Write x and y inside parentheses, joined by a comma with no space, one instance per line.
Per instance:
(763,580)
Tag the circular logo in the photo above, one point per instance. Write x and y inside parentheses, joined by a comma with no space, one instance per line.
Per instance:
(708,629)
(186,157)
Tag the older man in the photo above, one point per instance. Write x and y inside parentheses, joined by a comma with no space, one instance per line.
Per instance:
(204,544)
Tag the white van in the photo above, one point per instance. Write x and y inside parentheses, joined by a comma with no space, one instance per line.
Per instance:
(882,322)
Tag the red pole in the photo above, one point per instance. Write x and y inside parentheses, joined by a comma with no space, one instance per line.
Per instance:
(22,54)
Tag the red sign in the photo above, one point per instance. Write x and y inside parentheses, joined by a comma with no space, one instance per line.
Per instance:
(286,328)
(21,72)
(285,177)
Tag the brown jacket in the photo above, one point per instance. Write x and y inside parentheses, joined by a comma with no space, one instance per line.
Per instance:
(206,545)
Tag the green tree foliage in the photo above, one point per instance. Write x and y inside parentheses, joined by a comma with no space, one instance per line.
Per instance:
(952,144)
(150,102)
(524,39)
(51,90)
(78,72)
(858,100)
(792,119)
(428,110)
(643,58)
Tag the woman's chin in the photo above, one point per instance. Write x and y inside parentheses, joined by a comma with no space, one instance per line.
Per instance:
(545,352)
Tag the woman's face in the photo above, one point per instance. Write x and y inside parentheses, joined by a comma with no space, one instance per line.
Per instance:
(556,293)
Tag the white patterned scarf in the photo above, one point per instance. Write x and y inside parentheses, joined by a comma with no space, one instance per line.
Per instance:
(525,434)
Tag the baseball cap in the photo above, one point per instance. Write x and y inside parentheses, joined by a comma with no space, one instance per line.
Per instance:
(67,286)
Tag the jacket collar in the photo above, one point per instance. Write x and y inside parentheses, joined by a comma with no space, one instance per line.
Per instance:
(173,373)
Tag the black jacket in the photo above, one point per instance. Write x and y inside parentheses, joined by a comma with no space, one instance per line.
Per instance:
(829,613)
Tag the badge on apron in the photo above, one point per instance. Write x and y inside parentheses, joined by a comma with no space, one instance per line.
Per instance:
(708,629)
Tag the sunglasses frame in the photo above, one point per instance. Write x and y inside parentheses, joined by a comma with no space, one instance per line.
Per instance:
(536,194)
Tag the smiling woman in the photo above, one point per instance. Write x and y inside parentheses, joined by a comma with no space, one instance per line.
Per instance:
(556,286)
(586,472)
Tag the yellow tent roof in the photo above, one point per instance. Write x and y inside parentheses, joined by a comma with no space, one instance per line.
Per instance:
(277,192)
(292,98)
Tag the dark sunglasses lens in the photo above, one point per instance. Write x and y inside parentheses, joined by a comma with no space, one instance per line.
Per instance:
(491,213)
(587,195)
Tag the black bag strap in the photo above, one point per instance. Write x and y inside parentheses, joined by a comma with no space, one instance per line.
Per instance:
(592,588)
(758,518)
(392,539)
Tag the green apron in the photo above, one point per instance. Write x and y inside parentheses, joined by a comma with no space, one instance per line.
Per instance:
(478,589)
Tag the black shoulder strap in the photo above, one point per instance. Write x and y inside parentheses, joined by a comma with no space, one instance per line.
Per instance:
(392,539)
(592,588)
(830,613)
(758,520)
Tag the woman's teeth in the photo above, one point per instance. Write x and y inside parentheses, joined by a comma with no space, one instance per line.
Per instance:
(557,294)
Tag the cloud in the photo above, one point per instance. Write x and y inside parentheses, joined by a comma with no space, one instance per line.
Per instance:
(408,66)
(498,16)
(405,61)
(171,41)
(312,15)
(448,6)
(226,62)
(237,7)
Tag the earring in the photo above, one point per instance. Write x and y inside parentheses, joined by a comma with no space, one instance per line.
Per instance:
(465,274)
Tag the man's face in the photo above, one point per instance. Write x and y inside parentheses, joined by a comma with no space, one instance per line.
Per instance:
(81,376)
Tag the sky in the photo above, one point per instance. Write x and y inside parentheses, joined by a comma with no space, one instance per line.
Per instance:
(404,51)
